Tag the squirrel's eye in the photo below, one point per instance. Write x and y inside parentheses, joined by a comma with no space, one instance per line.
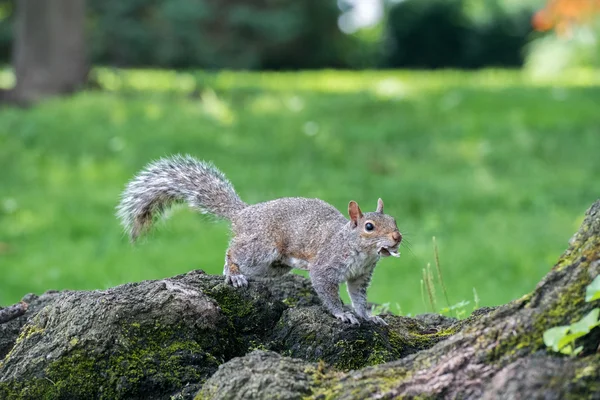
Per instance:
(369,227)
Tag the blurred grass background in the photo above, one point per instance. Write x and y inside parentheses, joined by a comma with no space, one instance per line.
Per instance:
(498,167)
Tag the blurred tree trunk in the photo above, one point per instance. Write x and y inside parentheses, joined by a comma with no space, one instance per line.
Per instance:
(49,51)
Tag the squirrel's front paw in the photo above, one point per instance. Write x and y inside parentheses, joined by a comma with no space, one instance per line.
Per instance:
(377,320)
(347,317)
(236,280)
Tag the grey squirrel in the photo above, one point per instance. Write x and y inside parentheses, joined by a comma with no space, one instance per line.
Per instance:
(271,238)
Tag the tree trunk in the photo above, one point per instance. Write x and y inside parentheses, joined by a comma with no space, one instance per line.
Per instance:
(49,52)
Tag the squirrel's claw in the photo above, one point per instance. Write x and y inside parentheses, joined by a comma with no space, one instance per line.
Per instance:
(347,317)
(236,280)
(377,320)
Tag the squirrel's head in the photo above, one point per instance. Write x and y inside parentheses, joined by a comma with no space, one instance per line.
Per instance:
(376,230)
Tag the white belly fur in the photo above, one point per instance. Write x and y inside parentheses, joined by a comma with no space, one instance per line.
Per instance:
(360,264)
(296,262)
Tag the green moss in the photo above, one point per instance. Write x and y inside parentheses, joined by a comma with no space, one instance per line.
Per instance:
(305,293)
(290,301)
(377,357)
(584,246)
(300,297)
(256,346)
(381,348)
(521,341)
(250,315)
(310,337)
(26,332)
(414,340)
(35,389)
(361,348)
(565,309)
(586,372)
(232,302)
(566,305)
(80,384)
(350,354)
(148,359)
(332,385)
(585,382)
(360,353)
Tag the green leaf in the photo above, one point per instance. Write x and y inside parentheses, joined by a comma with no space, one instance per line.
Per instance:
(567,339)
(553,335)
(587,323)
(567,350)
(577,350)
(592,292)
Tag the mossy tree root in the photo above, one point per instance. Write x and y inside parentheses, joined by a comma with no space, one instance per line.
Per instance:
(170,338)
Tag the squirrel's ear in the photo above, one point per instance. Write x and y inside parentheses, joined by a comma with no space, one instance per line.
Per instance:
(379,206)
(354,212)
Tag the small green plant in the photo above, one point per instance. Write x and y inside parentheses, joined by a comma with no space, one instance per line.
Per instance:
(423,293)
(592,292)
(385,308)
(380,309)
(428,282)
(562,338)
(439,270)
(458,310)
(475,299)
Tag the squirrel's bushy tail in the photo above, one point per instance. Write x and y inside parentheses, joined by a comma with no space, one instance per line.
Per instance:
(171,180)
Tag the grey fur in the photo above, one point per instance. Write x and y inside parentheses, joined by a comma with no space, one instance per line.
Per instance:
(271,238)
(172,180)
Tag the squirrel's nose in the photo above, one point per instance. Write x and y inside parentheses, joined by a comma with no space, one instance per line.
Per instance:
(397,236)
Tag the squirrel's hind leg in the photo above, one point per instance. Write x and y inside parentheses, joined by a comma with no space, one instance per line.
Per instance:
(246,259)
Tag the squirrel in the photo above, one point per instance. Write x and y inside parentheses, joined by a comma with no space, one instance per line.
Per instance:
(273,237)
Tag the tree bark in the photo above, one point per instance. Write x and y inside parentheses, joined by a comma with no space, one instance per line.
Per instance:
(49,53)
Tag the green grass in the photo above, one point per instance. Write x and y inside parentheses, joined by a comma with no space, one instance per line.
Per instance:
(499,168)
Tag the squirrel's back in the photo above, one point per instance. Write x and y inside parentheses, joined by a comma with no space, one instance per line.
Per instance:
(297,226)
